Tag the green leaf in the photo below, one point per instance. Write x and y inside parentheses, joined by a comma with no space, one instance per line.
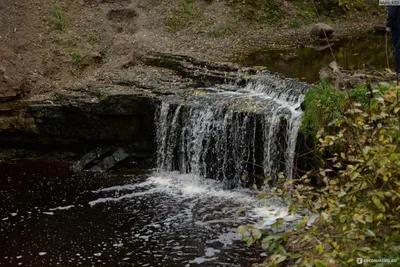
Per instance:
(271,237)
(250,241)
(325,216)
(320,248)
(278,258)
(242,230)
(295,255)
(378,203)
(256,233)
(370,233)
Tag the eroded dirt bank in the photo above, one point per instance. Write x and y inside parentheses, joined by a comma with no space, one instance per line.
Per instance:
(53,44)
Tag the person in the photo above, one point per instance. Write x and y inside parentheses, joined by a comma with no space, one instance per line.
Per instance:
(393,26)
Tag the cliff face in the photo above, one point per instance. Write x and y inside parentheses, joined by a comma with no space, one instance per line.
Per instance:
(69,120)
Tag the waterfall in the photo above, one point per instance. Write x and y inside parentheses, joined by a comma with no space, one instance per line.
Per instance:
(230,132)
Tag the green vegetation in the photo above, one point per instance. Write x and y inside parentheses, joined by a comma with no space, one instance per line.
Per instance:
(264,11)
(325,104)
(76,57)
(357,207)
(305,14)
(327,7)
(57,19)
(223,31)
(93,37)
(182,15)
(295,14)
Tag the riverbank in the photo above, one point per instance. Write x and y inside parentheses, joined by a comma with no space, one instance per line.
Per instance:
(61,44)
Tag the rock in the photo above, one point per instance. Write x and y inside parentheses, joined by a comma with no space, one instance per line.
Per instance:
(12,75)
(89,159)
(100,160)
(334,66)
(120,155)
(320,29)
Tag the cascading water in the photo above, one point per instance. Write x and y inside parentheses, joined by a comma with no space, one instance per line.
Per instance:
(231,133)
(165,218)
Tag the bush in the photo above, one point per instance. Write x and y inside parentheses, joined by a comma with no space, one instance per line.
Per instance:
(358,207)
(324,104)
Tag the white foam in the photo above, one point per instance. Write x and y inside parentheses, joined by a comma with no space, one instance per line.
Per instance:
(62,208)
(126,196)
(200,260)
(123,187)
(191,189)
(209,252)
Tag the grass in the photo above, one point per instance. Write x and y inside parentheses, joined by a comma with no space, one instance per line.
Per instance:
(259,11)
(76,57)
(182,15)
(305,14)
(57,19)
(93,36)
(221,31)
(324,104)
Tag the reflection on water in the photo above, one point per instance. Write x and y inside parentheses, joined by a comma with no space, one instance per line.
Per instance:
(51,217)
(365,52)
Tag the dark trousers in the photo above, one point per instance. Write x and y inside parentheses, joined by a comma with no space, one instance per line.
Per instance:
(396,45)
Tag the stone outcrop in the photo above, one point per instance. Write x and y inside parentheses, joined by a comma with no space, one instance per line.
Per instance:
(100,160)
(320,29)
(71,120)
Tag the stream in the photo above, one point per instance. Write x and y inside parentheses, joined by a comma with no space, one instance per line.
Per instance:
(362,52)
(52,217)
(212,144)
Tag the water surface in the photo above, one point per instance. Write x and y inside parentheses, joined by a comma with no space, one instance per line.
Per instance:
(52,217)
(366,52)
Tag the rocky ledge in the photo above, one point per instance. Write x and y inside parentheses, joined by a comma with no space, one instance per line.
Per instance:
(115,112)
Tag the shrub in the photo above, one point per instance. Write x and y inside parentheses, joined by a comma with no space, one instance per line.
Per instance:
(357,208)
(324,104)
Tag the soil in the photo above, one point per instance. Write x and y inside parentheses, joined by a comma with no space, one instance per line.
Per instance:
(55,44)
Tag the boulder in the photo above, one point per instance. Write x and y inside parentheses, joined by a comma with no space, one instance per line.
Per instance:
(12,75)
(100,160)
(319,30)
